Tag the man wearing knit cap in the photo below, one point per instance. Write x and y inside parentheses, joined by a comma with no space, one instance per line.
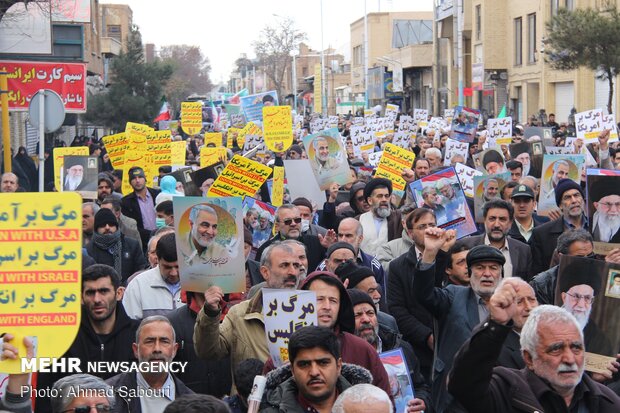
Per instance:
(110,247)
(381,224)
(338,253)
(569,198)
(382,338)
(295,152)
(140,204)
(457,308)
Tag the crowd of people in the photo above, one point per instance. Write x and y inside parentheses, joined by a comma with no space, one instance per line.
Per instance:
(475,317)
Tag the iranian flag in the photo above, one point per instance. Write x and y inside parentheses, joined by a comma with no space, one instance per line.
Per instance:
(164,112)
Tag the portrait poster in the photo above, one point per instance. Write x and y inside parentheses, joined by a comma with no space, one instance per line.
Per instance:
(298,172)
(286,311)
(203,178)
(59,155)
(327,158)
(185,181)
(466,177)
(80,174)
(209,237)
(490,161)
(487,188)
(586,288)
(603,204)
(41,281)
(441,192)
(537,133)
(399,376)
(530,157)
(252,105)
(464,124)
(263,228)
(555,168)
(455,148)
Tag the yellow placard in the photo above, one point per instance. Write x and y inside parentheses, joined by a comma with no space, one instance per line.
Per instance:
(191,117)
(392,163)
(59,161)
(318,93)
(230,137)
(241,177)
(277,127)
(209,156)
(277,190)
(116,145)
(40,270)
(213,138)
(177,152)
(134,157)
(137,135)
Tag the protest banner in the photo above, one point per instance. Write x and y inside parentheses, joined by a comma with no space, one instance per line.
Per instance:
(214,139)
(402,139)
(277,128)
(317,125)
(530,155)
(466,178)
(420,117)
(80,174)
(116,145)
(406,124)
(210,156)
(177,152)
(555,168)
(391,111)
(391,165)
(489,161)
(59,154)
(332,121)
(400,378)
(376,127)
(603,206)
(210,243)
(327,158)
(318,88)
(442,193)
(500,130)
(558,150)
(363,140)
(40,271)
(137,135)
(464,124)
(591,123)
(454,148)
(241,177)
(277,192)
(25,79)
(373,158)
(286,311)
(487,188)
(191,117)
(448,115)
(232,137)
(590,290)
(369,113)
(252,105)
(436,124)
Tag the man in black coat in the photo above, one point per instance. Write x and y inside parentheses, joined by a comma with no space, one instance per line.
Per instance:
(140,204)
(110,247)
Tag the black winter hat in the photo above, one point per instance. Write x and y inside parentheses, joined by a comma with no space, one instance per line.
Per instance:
(355,273)
(563,186)
(105,216)
(359,297)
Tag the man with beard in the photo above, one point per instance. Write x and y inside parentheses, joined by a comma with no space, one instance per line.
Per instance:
(127,226)
(382,338)
(105,188)
(74,176)
(241,335)
(553,350)
(606,218)
(381,224)
(458,309)
(203,231)
(109,246)
(454,204)
(578,289)
(155,346)
(140,204)
(524,158)
(491,190)
(498,217)
(431,201)
(158,290)
(323,162)
(561,170)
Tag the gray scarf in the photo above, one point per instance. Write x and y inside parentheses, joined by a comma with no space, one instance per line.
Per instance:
(112,244)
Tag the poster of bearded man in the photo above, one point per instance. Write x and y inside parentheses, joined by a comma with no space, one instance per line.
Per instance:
(603,194)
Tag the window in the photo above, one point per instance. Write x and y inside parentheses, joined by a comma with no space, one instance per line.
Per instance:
(518,41)
(114,30)
(408,32)
(478,22)
(531,38)
(68,41)
(358,55)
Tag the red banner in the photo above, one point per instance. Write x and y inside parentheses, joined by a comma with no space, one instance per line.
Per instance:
(27,78)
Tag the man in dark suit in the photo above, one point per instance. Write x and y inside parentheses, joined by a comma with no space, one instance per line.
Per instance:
(570,199)
(526,220)
(458,309)
(498,217)
(140,204)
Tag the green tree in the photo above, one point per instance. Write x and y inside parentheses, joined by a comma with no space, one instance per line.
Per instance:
(273,50)
(135,91)
(191,73)
(586,38)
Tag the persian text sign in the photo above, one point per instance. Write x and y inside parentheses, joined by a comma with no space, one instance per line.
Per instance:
(191,117)
(241,177)
(40,270)
(27,78)
(278,127)
(392,163)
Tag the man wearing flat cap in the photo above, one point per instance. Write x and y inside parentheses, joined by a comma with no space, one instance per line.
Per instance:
(140,204)
(605,196)
(458,309)
(381,224)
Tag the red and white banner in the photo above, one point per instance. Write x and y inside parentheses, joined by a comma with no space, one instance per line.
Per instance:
(27,78)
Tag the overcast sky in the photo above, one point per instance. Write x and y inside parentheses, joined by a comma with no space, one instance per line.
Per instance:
(226,28)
